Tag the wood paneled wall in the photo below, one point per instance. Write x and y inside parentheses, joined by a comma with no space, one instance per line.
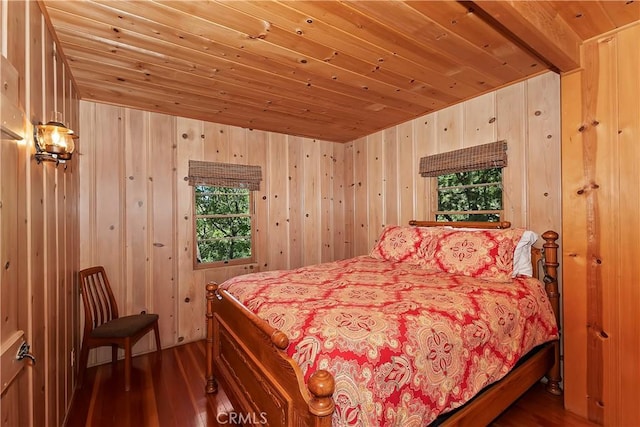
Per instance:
(40,234)
(601,227)
(136,208)
(383,167)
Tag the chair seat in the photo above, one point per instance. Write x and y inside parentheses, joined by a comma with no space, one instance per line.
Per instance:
(124,326)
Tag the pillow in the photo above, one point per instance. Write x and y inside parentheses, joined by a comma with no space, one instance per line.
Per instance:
(522,256)
(486,254)
(397,243)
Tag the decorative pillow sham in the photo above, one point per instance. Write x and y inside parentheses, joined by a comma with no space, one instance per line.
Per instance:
(486,254)
(522,256)
(397,243)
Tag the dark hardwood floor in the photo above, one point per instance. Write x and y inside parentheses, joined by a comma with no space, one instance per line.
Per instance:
(169,391)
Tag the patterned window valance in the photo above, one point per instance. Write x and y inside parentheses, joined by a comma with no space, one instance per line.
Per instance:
(224,175)
(486,156)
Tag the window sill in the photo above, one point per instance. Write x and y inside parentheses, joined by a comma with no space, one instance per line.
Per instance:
(249,265)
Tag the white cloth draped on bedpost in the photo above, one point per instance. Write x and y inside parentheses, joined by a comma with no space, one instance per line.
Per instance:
(486,156)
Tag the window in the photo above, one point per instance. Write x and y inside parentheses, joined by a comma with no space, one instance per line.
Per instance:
(468,182)
(470,196)
(223,224)
(223,212)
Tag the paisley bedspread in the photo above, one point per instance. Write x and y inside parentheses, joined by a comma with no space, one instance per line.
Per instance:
(404,344)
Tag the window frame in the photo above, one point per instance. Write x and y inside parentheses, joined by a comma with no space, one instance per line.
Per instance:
(232,262)
(435,189)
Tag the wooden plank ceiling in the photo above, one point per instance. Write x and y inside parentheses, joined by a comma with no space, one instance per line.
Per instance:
(331,70)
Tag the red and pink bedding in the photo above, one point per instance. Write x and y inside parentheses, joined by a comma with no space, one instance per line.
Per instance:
(406,341)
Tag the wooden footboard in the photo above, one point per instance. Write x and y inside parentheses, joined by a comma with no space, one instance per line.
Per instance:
(245,354)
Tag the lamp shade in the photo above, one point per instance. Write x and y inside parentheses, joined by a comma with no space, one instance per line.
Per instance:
(55,138)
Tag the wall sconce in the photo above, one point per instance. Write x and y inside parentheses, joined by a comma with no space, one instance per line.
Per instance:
(54,142)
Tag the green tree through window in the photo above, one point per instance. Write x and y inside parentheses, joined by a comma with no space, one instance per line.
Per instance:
(223,224)
(470,196)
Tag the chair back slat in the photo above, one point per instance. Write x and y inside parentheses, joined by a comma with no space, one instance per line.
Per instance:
(99,302)
(103,305)
(94,302)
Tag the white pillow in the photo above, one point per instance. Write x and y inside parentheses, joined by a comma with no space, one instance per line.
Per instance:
(522,255)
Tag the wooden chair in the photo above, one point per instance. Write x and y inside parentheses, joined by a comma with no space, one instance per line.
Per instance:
(103,326)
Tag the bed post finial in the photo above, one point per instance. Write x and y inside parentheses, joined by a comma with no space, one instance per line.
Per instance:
(551,284)
(212,385)
(280,339)
(321,385)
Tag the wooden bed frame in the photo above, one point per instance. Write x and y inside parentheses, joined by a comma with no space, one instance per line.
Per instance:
(246,355)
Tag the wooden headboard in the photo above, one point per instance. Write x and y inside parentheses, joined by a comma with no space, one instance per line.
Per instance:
(462,224)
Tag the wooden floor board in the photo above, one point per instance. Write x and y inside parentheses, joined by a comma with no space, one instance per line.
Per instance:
(168,391)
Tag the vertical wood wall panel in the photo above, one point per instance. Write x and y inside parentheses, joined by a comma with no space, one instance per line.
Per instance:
(136,230)
(407,174)
(425,143)
(217,146)
(512,127)
(574,261)
(9,275)
(450,128)
(375,186)
(338,215)
(627,327)
(360,197)
(190,145)
(601,191)
(3,34)
(50,295)
(543,152)
(16,44)
(109,208)
(278,183)
(162,177)
(257,143)
(325,160)
(35,216)
(392,189)
(60,286)
(603,301)
(349,200)
(295,213)
(480,118)
(238,144)
(14,276)
(311,199)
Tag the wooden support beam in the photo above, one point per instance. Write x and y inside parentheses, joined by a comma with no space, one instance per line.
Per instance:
(537,26)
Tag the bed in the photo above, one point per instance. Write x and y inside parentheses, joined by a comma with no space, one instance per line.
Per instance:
(402,371)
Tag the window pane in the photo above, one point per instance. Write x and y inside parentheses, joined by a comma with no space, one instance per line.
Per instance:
(222,228)
(468,217)
(468,178)
(223,223)
(470,192)
(470,199)
(224,249)
(221,201)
